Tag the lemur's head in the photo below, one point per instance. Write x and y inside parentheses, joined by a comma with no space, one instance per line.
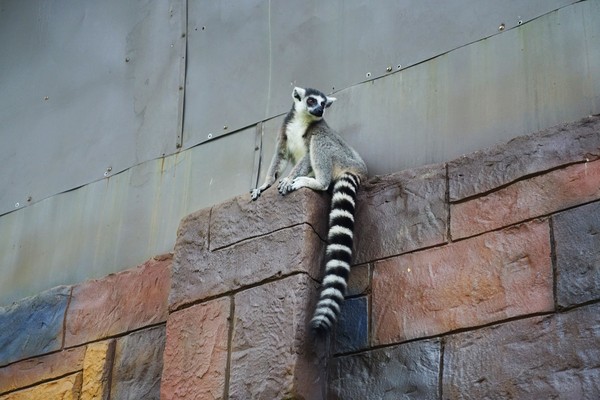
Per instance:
(311,101)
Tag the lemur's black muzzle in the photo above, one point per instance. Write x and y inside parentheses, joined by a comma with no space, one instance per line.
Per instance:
(317,111)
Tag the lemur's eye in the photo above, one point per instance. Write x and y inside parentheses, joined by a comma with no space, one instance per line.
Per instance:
(311,101)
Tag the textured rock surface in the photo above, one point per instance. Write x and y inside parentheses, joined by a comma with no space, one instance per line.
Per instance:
(554,357)
(488,169)
(195,355)
(468,283)
(407,371)
(67,388)
(359,281)
(241,218)
(96,370)
(352,331)
(34,370)
(119,303)
(273,355)
(199,274)
(537,196)
(401,212)
(138,365)
(577,246)
(33,326)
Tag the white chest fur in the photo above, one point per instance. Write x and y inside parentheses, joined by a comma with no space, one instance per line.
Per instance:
(295,141)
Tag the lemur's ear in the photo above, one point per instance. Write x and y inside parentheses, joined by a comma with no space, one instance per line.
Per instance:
(330,101)
(298,93)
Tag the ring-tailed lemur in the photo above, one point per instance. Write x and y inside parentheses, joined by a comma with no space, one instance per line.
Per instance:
(317,150)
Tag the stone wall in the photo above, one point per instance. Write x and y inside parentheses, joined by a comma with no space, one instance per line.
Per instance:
(100,339)
(478,278)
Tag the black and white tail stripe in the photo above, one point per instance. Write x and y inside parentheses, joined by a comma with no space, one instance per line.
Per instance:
(339,252)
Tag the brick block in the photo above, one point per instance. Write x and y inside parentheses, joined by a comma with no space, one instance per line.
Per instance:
(406,371)
(119,303)
(138,365)
(43,368)
(486,170)
(352,332)
(96,370)
(200,274)
(273,355)
(67,388)
(473,282)
(577,246)
(195,355)
(401,212)
(537,196)
(33,326)
(359,280)
(553,357)
(241,218)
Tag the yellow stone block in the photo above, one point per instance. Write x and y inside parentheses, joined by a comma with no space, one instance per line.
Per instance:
(97,365)
(67,388)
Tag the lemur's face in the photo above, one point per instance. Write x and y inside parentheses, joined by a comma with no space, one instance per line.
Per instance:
(311,101)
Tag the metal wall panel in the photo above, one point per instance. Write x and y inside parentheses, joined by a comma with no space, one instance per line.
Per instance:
(529,78)
(85,86)
(118,222)
(242,55)
(535,76)
(468,96)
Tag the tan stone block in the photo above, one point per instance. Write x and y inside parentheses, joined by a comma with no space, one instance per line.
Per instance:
(473,282)
(497,166)
(199,274)
(28,372)
(67,388)
(97,365)
(526,199)
(241,218)
(273,354)
(118,303)
(401,212)
(195,356)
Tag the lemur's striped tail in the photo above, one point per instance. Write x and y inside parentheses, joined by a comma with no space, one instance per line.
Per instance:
(339,252)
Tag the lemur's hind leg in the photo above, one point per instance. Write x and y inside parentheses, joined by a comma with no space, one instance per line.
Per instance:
(302,168)
(322,168)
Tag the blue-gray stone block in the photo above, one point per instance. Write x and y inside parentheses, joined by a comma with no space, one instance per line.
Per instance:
(577,245)
(138,365)
(352,332)
(33,326)
(406,371)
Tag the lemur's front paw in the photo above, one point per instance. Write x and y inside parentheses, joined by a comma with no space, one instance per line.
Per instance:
(298,183)
(285,186)
(255,193)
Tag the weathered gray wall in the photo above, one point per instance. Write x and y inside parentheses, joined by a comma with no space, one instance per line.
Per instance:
(118,119)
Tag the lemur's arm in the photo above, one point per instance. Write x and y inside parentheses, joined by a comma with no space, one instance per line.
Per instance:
(278,164)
